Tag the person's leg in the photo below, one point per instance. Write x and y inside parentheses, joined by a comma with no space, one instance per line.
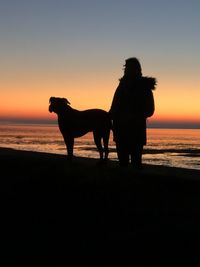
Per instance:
(122,154)
(120,138)
(136,156)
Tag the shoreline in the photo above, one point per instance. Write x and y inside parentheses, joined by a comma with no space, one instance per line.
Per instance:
(148,169)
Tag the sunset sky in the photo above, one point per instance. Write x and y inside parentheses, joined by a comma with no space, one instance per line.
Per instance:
(76,49)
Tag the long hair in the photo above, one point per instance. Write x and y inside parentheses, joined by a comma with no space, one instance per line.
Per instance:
(132,69)
(133,63)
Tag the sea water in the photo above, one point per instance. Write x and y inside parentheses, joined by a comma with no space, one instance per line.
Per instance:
(167,147)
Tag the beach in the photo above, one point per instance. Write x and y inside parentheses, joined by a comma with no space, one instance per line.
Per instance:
(87,213)
(178,148)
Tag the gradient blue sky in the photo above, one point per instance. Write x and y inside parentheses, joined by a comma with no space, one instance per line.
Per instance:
(76,49)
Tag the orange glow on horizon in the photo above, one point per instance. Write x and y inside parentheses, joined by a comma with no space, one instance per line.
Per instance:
(173,104)
(41,115)
(167,118)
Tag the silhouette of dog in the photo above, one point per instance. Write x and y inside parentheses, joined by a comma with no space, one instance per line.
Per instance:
(74,123)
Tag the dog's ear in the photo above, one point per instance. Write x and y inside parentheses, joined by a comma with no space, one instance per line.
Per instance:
(51,99)
(66,101)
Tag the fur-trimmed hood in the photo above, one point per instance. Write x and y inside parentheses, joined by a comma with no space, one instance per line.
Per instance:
(144,82)
(148,82)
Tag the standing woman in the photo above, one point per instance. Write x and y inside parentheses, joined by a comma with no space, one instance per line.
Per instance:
(132,104)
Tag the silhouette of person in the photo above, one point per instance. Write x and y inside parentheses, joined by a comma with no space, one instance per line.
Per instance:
(132,103)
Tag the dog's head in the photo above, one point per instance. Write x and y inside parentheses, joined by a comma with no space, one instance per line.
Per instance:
(57,104)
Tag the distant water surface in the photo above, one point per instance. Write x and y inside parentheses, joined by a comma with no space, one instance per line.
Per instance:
(168,147)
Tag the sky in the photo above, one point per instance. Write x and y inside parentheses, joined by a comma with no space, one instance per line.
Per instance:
(76,49)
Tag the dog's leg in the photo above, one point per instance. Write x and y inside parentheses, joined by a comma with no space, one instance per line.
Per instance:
(105,143)
(69,142)
(97,140)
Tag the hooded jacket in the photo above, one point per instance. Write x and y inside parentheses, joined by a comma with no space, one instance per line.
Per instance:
(132,103)
(134,97)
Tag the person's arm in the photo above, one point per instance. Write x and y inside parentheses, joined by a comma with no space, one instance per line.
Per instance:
(149,105)
(116,101)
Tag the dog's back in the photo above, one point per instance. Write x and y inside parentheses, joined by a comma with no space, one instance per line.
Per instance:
(79,123)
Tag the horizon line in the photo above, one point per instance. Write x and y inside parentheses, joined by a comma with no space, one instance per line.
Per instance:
(155,125)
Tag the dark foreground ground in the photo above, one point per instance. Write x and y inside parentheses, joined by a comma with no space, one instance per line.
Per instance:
(57,213)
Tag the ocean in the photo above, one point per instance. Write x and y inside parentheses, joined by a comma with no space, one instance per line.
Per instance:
(167,147)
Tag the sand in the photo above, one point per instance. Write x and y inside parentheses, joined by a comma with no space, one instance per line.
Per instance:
(60,213)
